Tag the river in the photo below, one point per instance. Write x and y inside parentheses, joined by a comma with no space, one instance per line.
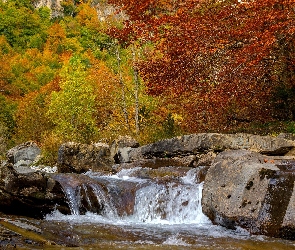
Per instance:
(153,215)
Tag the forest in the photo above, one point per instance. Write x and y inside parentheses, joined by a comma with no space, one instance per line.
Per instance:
(151,69)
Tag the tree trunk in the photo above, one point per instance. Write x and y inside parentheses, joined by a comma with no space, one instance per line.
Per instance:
(136,91)
(125,112)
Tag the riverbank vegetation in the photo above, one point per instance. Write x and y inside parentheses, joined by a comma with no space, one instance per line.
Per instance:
(149,69)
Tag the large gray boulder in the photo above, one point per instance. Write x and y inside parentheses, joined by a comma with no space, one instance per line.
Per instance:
(246,189)
(205,142)
(24,154)
(80,158)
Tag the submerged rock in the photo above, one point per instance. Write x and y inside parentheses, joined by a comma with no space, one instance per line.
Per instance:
(245,189)
(107,197)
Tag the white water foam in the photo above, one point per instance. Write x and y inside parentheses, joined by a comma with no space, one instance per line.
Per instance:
(127,173)
(190,177)
(160,209)
(158,206)
(170,204)
(175,240)
(88,217)
(124,175)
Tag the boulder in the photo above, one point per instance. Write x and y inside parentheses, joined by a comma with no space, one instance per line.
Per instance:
(23,154)
(246,189)
(79,158)
(205,142)
(32,194)
(122,142)
(288,226)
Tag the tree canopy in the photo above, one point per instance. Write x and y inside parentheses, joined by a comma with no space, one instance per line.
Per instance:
(149,69)
(226,61)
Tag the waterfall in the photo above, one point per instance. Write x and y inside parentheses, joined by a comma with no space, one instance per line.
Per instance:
(124,210)
(72,199)
(83,195)
(171,203)
(148,201)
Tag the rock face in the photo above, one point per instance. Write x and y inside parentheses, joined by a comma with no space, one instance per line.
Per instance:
(288,225)
(25,191)
(206,142)
(32,194)
(245,189)
(80,158)
(53,5)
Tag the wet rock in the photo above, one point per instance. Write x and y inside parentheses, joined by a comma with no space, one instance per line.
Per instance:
(98,195)
(156,163)
(206,142)
(288,227)
(80,158)
(122,196)
(83,193)
(161,174)
(32,194)
(244,189)
(201,173)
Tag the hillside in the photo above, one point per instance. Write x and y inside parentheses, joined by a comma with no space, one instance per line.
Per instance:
(80,71)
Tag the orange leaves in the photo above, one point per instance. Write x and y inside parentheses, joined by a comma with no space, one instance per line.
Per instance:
(56,37)
(87,16)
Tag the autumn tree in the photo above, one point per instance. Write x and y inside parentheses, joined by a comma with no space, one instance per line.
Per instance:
(71,109)
(21,25)
(32,110)
(7,109)
(222,60)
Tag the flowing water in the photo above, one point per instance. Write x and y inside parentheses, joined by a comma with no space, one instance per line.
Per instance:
(137,213)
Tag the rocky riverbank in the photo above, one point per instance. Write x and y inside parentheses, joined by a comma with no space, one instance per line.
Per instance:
(248,179)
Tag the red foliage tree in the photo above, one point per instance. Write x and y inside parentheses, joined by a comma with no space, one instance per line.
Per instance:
(223,59)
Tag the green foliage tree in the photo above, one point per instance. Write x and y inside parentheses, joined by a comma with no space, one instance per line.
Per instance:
(22,26)
(72,108)
(7,109)
(3,140)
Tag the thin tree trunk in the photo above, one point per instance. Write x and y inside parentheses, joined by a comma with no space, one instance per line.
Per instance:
(123,96)
(136,91)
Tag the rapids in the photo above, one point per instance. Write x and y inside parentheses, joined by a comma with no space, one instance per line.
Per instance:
(153,214)
(125,211)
